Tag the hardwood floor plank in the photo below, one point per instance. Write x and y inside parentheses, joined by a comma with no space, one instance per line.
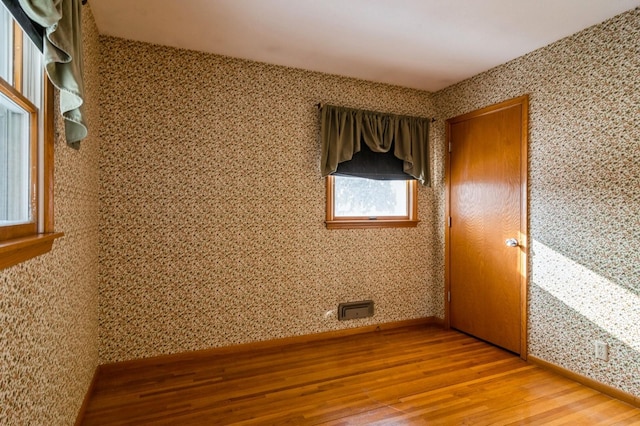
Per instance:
(405,376)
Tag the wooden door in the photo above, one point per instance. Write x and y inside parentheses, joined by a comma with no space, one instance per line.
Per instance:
(487,217)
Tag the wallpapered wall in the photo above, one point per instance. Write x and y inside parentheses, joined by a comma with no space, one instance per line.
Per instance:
(210,212)
(584,167)
(49,305)
(212,207)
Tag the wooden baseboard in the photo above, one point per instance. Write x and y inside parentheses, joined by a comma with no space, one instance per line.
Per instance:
(267,344)
(87,397)
(593,384)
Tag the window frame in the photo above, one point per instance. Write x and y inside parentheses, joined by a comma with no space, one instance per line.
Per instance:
(8,232)
(355,222)
(19,243)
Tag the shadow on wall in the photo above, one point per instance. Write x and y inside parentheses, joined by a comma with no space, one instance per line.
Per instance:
(604,310)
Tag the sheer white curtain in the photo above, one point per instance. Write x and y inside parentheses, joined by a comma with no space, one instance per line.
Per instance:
(14,164)
(6,46)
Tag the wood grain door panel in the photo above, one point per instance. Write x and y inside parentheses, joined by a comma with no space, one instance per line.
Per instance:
(485,203)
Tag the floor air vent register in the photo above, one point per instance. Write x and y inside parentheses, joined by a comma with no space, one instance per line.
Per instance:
(355,310)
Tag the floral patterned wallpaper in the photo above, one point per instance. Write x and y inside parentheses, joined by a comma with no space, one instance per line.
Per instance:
(212,202)
(584,197)
(198,222)
(49,305)
(212,207)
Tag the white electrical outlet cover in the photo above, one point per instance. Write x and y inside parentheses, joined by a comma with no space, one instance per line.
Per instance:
(601,350)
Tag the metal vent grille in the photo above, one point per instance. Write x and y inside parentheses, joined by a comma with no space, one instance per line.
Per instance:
(355,310)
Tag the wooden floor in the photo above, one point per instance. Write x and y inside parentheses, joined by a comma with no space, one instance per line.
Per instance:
(407,376)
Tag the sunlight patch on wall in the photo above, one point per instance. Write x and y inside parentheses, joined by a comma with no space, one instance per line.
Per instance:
(611,307)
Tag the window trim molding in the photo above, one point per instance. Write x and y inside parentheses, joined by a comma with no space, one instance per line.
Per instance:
(18,250)
(9,232)
(359,222)
(47,157)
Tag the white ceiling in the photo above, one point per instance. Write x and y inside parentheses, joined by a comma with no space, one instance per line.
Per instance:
(422,44)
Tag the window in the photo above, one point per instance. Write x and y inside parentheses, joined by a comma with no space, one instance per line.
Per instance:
(354,202)
(372,162)
(26,147)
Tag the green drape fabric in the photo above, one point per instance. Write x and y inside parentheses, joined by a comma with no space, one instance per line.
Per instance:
(343,129)
(62,20)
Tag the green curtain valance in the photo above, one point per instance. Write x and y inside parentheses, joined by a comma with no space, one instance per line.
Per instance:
(342,130)
(62,50)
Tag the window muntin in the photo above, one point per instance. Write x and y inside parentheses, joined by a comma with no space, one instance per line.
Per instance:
(354,202)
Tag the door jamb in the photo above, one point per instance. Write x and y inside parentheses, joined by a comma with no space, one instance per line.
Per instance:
(524,217)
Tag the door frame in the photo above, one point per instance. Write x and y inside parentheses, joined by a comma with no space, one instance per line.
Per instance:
(523,101)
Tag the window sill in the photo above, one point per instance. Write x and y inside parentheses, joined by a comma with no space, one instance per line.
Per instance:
(368,223)
(19,250)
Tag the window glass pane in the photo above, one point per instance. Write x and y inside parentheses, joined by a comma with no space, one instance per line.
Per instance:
(15,194)
(6,45)
(369,198)
(32,71)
